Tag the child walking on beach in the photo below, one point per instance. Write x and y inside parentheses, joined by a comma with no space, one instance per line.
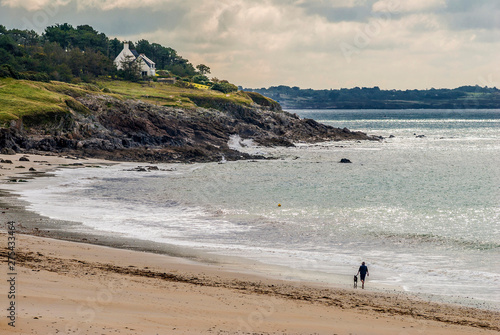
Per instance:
(363,272)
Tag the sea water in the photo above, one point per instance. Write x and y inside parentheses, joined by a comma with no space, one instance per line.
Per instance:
(420,207)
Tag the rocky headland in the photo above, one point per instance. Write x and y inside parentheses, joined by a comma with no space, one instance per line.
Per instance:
(110,127)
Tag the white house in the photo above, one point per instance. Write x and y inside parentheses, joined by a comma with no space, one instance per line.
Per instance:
(147,66)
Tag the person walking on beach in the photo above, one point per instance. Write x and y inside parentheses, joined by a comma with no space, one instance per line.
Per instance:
(363,272)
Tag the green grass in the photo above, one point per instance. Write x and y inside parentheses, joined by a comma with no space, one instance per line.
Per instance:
(34,100)
(167,94)
(19,98)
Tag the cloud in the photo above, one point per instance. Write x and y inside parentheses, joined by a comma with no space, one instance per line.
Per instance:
(463,15)
(333,13)
(395,43)
(408,6)
(33,5)
(108,5)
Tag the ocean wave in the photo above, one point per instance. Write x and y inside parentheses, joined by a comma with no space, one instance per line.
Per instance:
(436,240)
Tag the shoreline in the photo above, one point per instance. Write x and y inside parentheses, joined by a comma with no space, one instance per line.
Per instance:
(60,280)
(68,261)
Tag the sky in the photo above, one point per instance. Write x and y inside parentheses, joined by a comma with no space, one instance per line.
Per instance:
(319,44)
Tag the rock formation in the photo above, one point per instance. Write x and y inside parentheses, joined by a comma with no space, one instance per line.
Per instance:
(107,127)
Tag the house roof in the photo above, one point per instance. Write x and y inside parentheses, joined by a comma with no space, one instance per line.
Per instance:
(148,61)
(126,52)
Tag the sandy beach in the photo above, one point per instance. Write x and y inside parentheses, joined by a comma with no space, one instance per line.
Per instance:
(71,287)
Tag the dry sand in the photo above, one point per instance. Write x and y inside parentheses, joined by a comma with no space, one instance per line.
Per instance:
(77,288)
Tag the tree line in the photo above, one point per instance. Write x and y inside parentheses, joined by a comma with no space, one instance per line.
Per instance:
(65,53)
(375,98)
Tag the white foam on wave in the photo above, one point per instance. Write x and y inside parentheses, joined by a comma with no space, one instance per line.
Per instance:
(244,145)
(237,143)
(61,198)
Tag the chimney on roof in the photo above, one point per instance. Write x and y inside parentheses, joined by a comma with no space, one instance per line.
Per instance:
(125,46)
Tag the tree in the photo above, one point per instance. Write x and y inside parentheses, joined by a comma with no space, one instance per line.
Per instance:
(75,62)
(182,68)
(62,72)
(9,45)
(164,56)
(130,69)
(85,37)
(203,69)
(59,33)
(96,64)
(144,47)
(115,47)
(64,52)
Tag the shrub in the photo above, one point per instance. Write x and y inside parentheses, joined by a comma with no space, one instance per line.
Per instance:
(34,76)
(201,79)
(182,84)
(6,71)
(224,87)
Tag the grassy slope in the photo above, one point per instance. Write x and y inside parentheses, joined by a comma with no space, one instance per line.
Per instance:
(168,95)
(21,98)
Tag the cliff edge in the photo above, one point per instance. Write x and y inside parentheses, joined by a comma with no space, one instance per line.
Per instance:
(109,123)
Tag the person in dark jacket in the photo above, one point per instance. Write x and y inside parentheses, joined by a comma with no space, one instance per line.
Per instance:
(363,272)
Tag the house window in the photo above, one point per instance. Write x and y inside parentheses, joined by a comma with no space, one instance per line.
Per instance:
(144,73)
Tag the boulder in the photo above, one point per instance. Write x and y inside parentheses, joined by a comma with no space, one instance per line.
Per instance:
(345,160)
(7,151)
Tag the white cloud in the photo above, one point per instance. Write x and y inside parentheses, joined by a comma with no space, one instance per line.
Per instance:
(119,4)
(33,5)
(406,6)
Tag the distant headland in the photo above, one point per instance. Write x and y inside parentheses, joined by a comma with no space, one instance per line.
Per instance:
(465,97)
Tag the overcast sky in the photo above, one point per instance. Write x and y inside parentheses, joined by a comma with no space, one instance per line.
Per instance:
(393,44)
